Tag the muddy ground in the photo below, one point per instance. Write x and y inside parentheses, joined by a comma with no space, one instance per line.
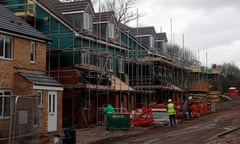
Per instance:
(221,127)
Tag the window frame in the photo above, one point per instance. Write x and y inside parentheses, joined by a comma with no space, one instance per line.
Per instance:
(6,54)
(111,30)
(110,64)
(2,103)
(39,99)
(151,42)
(120,66)
(100,62)
(85,58)
(87,21)
(32,52)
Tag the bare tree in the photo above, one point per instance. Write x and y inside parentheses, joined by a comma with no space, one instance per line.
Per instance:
(231,76)
(123,9)
(230,70)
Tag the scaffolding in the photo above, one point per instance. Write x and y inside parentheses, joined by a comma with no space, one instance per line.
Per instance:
(96,70)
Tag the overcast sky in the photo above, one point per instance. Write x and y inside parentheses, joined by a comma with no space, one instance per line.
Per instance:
(211,28)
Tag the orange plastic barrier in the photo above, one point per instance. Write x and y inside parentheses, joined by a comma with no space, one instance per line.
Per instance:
(142,117)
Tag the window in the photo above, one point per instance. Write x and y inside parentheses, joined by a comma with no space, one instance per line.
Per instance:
(110,64)
(151,42)
(39,99)
(6,47)
(120,66)
(88,22)
(110,30)
(76,17)
(84,58)
(32,52)
(144,39)
(5,103)
(100,62)
(159,44)
(39,105)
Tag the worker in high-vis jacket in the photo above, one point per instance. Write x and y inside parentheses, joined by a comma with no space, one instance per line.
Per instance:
(171,113)
(109,109)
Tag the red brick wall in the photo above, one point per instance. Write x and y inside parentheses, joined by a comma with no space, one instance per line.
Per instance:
(4,128)
(6,74)
(22,86)
(21,59)
(22,54)
(59,112)
(66,75)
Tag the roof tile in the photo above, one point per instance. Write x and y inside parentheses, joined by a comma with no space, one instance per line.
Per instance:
(11,23)
(41,80)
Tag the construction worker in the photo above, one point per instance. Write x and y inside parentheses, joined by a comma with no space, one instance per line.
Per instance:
(184,108)
(109,109)
(190,103)
(171,113)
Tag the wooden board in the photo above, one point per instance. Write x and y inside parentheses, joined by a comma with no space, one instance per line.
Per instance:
(195,68)
(119,84)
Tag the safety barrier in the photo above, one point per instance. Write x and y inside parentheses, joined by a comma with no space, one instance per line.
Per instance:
(141,117)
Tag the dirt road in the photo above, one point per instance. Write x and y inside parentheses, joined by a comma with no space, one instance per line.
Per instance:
(215,128)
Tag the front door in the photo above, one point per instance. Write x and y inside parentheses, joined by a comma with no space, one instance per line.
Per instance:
(52,111)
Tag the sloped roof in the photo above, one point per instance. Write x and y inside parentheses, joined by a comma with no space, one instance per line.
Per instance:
(143,31)
(49,5)
(161,36)
(124,27)
(72,6)
(11,23)
(103,16)
(41,80)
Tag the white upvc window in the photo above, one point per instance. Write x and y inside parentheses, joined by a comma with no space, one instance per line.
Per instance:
(39,99)
(100,62)
(110,30)
(151,42)
(87,22)
(110,64)
(39,105)
(84,58)
(120,66)
(6,47)
(5,100)
(32,52)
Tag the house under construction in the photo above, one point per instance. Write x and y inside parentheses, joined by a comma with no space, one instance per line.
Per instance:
(100,61)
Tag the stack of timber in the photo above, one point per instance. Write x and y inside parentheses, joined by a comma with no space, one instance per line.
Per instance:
(198,89)
(213,94)
(198,86)
(195,68)
(198,95)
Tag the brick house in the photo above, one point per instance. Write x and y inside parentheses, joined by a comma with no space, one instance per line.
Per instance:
(23,73)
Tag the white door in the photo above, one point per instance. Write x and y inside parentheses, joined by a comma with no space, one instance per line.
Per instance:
(52,111)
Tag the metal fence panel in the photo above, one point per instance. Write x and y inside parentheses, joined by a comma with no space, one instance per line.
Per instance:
(24,125)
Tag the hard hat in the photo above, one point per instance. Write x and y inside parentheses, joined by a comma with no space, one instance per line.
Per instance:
(190,98)
(169,100)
